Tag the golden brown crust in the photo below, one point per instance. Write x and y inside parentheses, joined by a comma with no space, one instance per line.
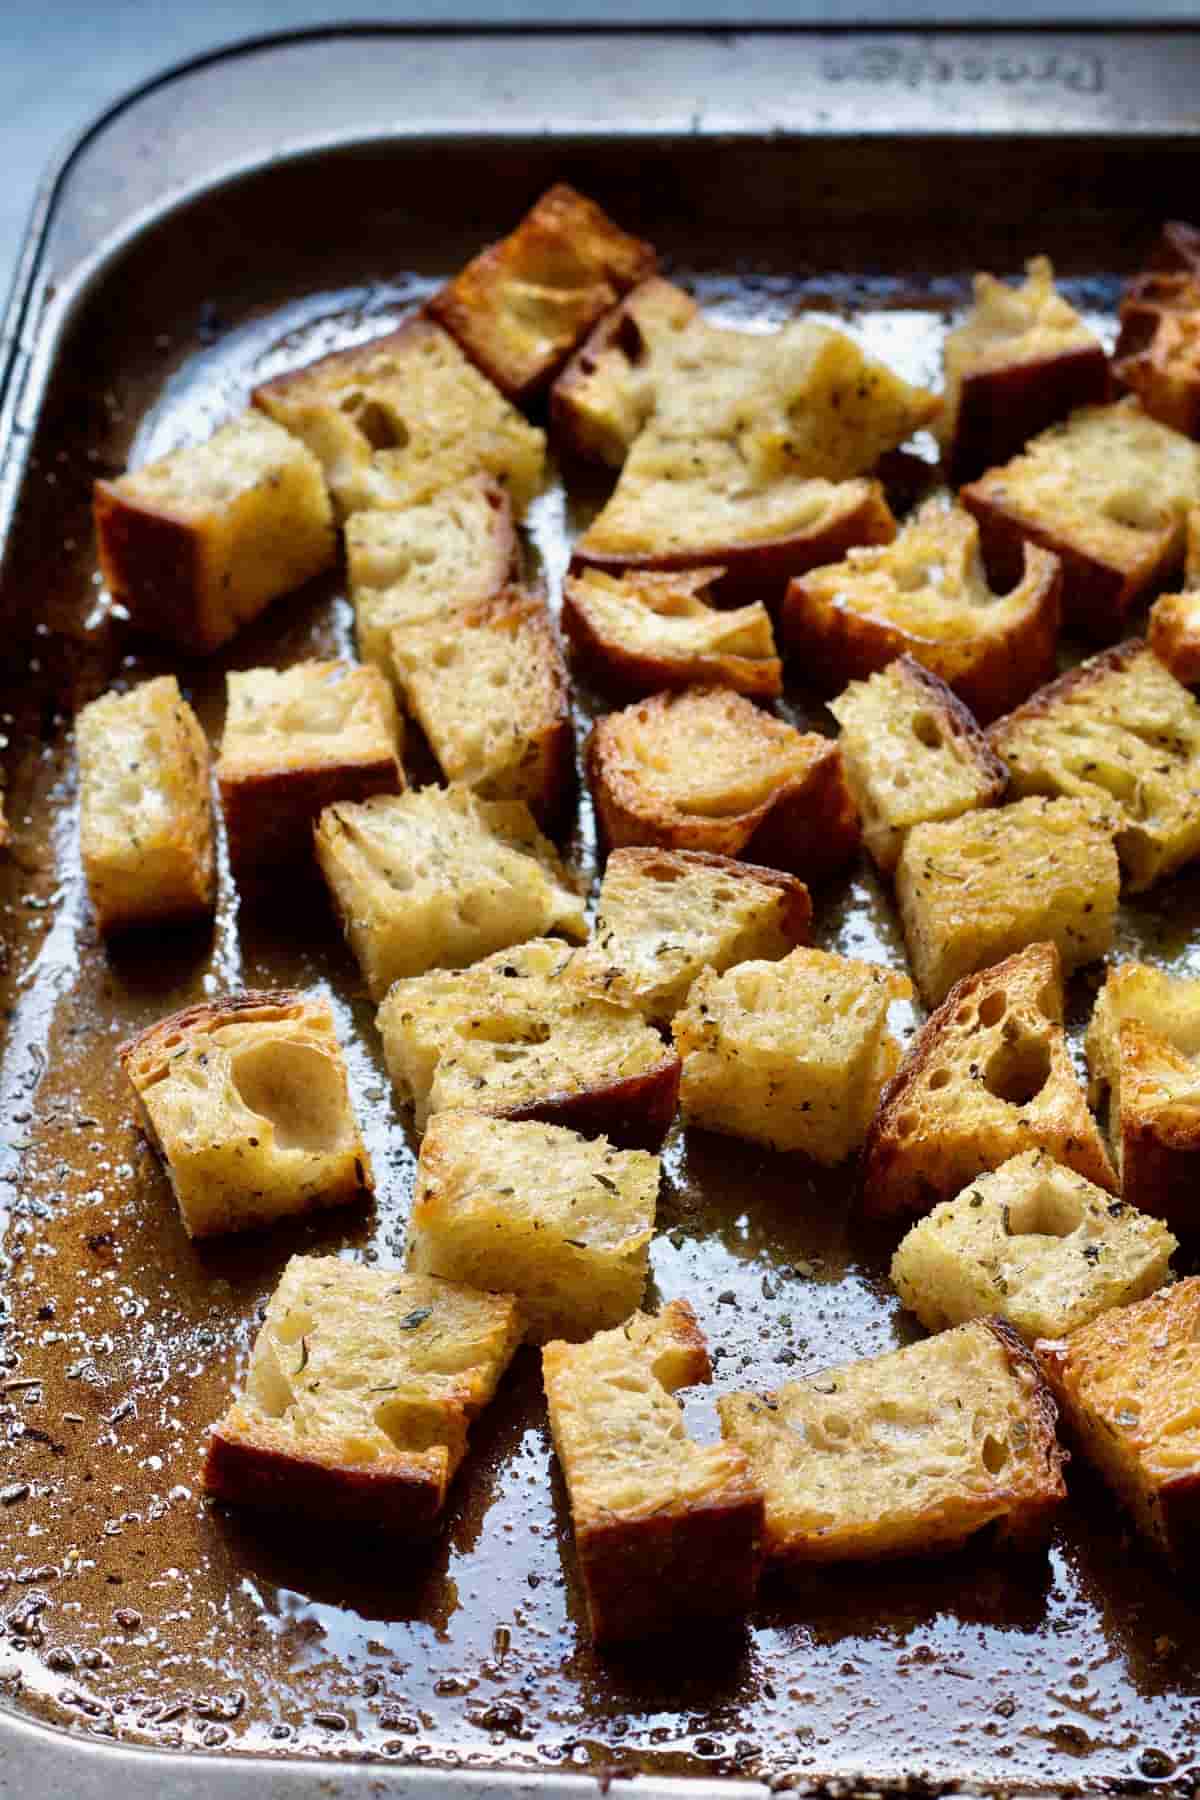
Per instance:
(1158,349)
(521,306)
(962,723)
(269,817)
(620,339)
(1001,409)
(635,1112)
(1028,1524)
(796,919)
(633,672)
(153,564)
(140,1054)
(251,1468)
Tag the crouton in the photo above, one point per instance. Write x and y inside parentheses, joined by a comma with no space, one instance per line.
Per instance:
(522,305)
(295,741)
(511,1036)
(668,1532)
(196,544)
(145,810)
(247,1102)
(361,1388)
(438,878)
(706,770)
(455,552)
(489,689)
(907,1453)
(1158,348)
(1108,492)
(664,916)
(1034,1243)
(644,632)
(607,391)
(989,1076)
(1127,1386)
(1120,733)
(912,753)
(1021,360)
(791,1054)
(927,595)
(1174,630)
(1143,1051)
(563,1223)
(977,888)
(396,420)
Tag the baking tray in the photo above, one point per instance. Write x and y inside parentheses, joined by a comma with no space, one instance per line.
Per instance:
(239,216)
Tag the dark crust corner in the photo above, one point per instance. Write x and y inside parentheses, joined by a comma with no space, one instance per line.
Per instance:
(206,1012)
(635,1113)
(632,675)
(695,1564)
(796,922)
(269,817)
(152,564)
(1114,661)
(1001,409)
(962,723)
(811,828)
(1030,1523)
(246,1473)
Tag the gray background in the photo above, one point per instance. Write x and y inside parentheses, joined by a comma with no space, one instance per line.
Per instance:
(61,61)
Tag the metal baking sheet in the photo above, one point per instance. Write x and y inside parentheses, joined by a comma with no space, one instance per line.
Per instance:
(235,219)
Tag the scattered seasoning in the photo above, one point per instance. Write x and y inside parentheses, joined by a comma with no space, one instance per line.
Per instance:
(303,1363)
(416,1317)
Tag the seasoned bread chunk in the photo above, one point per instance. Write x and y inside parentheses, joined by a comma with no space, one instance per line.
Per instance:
(668,1532)
(489,689)
(295,741)
(437,878)
(1174,631)
(562,1222)
(361,1387)
(977,888)
(791,1054)
(145,811)
(247,1102)
(1158,348)
(1121,734)
(1035,1243)
(199,542)
(396,420)
(522,305)
(456,551)
(512,1036)
(639,633)
(989,1076)
(664,916)
(608,390)
(1021,360)
(907,1453)
(927,595)
(1127,1386)
(707,770)
(912,753)
(1109,493)
(1143,1051)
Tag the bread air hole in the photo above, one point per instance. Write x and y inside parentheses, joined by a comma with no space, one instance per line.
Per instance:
(993,1007)
(1017,1070)
(994,1454)
(297,1089)
(1137,512)
(1046,1212)
(925,730)
(382,428)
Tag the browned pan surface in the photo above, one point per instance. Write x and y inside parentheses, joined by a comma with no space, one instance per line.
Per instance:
(132,1608)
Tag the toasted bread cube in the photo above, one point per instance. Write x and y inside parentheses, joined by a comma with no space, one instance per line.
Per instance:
(196,544)
(145,810)
(361,1388)
(1036,1244)
(664,916)
(489,689)
(1127,1386)
(396,420)
(608,390)
(1109,493)
(639,633)
(706,770)
(791,1054)
(1021,360)
(927,595)
(1122,735)
(973,890)
(912,753)
(989,1076)
(1143,1051)
(1158,348)
(247,1102)
(512,1036)
(295,741)
(907,1453)
(456,551)
(562,1222)
(522,305)
(1174,630)
(668,1532)
(437,878)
